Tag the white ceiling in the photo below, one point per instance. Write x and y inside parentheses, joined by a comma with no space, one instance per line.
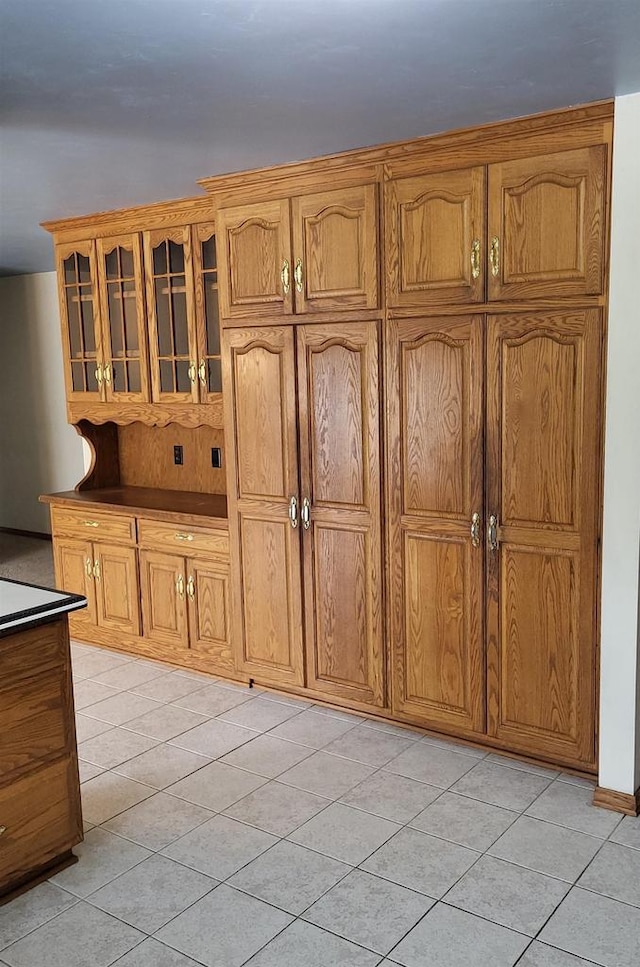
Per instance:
(110,103)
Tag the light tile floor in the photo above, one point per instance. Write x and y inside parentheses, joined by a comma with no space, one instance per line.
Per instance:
(228,826)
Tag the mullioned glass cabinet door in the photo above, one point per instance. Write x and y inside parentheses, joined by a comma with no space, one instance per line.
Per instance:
(207,312)
(124,356)
(170,305)
(80,318)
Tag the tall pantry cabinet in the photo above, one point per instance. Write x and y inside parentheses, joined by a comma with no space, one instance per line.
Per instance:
(493,449)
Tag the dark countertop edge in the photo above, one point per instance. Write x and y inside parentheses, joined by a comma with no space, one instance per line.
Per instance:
(43,613)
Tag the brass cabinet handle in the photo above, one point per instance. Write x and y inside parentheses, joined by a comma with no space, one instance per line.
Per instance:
(202,372)
(91,523)
(3,829)
(99,376)
(107,374)
(492,533)
(305,513)
(180,586)
(184,537)
(494,255)
(475,529)
(191,587)
(193,371)
(475,258)
(96,570)
(285,275)
(298,276)
(88,566)
(293,512)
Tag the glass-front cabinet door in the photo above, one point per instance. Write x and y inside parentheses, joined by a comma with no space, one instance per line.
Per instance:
(124,355)
(207,312)
(172,331)
(79,312)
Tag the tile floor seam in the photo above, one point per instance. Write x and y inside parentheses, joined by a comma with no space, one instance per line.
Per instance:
(76,900)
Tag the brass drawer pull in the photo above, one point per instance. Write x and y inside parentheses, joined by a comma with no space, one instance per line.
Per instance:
(184,537)
(88,566)
(92,523)
(298,276)
(475,529)
(494,256)
(191,587)
(3,829)
(475,258)
(285,275)
(180,586)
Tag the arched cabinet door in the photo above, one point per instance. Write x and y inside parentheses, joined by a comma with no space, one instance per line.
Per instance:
(80,318)
(546,225)
(435,238)
(263,502)
(339,412)
(254,253)
(543,437)
(435,520)
(335,250)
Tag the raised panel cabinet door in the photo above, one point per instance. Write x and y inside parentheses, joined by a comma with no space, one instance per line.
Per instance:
(73,561)
(77,274)
(254,249)
(124,325)
(263,502)
(435,238)
(164,606)
(543,471)
(173,348)
(546,228)
(208,600)
(339,406)
(335,249)
(115,572)
(435,504)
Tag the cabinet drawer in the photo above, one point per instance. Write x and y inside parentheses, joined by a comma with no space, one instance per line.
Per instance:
(91,526)
(40,818)
(185,540)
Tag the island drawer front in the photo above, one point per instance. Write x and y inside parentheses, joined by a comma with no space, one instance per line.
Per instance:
(37,820)
(186,540)
(34,715)
(90,526)
(25,654)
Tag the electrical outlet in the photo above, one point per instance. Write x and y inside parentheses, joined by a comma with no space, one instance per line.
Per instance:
(216,457)
(178,458)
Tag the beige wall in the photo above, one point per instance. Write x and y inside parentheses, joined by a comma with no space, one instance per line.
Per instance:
(39,451)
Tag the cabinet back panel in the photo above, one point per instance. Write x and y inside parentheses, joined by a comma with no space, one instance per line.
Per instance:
(146,458)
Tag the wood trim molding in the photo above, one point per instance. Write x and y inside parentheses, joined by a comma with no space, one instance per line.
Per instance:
(17,532)
(619,802)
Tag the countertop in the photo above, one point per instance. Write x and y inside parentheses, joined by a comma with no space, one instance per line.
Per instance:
(27,604)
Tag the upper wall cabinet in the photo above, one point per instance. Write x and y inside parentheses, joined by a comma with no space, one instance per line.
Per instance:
(123,369)
(435,238)
(547,225)
(316,253)
(80,317)
(536,230)
(182,302)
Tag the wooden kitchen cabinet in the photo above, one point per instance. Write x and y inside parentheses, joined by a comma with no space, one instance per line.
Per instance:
(312,494)
(546,225)
(543,433)
(435,226)
(313,253)
(436,534)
